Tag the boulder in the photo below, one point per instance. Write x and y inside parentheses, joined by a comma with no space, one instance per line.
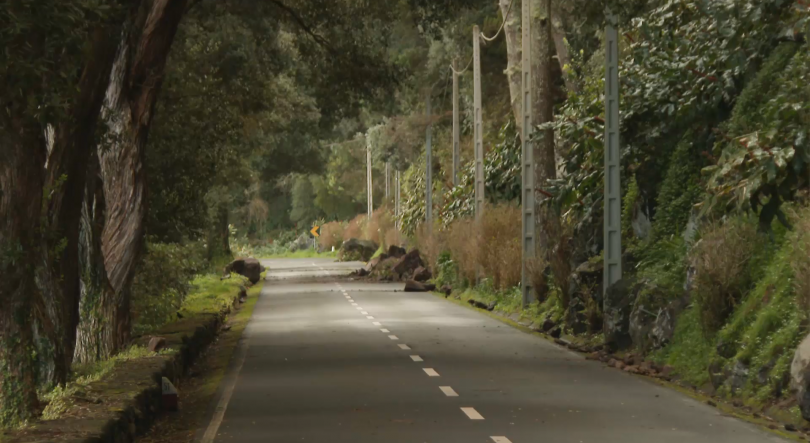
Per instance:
(422,274)
(396,251)
(364,249)
(156,344)
(663,330)
(248,267)
(301,243)
(619,300)
(382,271)
(446,290)
(374,262)
(800,376)
(409,262)
(415,286)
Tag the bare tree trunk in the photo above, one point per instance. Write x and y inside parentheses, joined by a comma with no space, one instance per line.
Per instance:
(563,56)
(514,54)
(545,161)
(22,156)
(128,110)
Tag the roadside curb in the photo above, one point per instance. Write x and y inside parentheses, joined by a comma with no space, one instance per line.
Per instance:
(133,390)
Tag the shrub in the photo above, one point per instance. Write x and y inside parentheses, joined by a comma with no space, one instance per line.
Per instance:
(355,228)
(162,282)
(393,237)
(721,261)
(331,235)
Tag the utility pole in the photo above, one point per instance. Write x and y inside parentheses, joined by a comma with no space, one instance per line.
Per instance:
(428,166)
(369,191)
(527,179)
(396,200)
(387,180)
(613,195)
(456,126)
(478,124)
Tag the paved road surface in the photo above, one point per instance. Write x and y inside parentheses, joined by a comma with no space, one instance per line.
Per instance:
(361,362)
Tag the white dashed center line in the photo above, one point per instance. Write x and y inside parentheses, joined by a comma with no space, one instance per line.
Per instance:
(416,358)
(448,391)
(472,413)
(393,337)
(405,347)
(385,330)
(370,317)
(376,323)
(430,372)
(500,440)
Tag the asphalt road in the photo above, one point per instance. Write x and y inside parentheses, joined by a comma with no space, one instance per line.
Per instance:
(359,362)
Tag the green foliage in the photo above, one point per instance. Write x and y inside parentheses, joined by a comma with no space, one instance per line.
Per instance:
(162,283)
(765,158)
(681,188)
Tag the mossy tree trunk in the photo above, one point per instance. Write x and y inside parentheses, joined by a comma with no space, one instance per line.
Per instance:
(94,335)
(218,237)
(22,155)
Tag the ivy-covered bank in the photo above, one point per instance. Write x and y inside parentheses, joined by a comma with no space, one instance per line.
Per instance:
(716,169)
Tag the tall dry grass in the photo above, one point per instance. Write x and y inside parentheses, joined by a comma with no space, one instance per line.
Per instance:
(500,248)
(430,243)
(721,261)
(355,228)
(493,245)
(332,235)
(381,223)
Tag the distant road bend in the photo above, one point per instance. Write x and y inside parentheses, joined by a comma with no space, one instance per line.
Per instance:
(332,360)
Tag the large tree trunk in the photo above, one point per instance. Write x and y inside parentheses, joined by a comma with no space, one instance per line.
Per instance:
(561,47)
(128,110)
(58,276)
(543,107)
(22,156)
(514,54)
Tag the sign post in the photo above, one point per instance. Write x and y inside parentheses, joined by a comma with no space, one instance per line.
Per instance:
(428,167)
(479,126)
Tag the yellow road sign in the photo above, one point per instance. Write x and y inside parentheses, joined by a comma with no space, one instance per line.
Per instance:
(316,231)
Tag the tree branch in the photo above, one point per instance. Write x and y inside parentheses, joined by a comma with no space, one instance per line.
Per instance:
(297,18)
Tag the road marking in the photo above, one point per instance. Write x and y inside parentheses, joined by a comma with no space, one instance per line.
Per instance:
(472,413)
(431,372)
(370,317)
(405,347)
(360,309)
(351,301)
(355,304)
(376,323)
(364,312)
(347,297)
(385,330)
(500,440)
(448,391)
(416,358)
(393,337)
